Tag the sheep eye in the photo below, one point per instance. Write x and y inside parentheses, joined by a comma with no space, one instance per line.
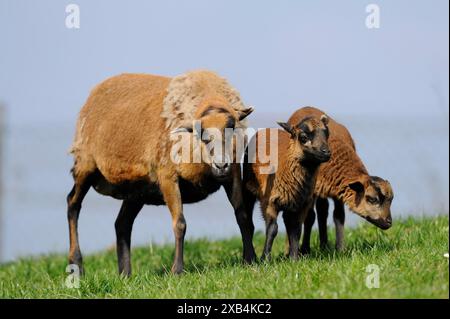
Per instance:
(371,200)
(303,138)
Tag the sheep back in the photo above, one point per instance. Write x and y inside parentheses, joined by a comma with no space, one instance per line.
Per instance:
(123,128)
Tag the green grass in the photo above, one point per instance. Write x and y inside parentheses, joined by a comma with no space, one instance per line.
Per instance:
(410,256)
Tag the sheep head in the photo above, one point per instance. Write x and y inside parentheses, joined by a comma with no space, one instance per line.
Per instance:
(309,139)
(372,200)
(213,131)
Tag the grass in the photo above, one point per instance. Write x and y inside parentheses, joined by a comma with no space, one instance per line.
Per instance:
(410,257)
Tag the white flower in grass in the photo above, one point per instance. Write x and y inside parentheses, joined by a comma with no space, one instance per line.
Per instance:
(446,255)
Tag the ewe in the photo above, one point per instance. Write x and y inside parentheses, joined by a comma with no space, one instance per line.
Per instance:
(123,146)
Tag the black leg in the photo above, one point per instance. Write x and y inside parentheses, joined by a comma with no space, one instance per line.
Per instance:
(74,200)
(293,230)
(243,202)
(124,226)
(244,220)
(339,220)
(322,216)
(308,224)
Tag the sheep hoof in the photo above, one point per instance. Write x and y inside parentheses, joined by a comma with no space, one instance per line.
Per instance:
(124,275)
(305,250)
(177,269)
(250,259)
(81,271)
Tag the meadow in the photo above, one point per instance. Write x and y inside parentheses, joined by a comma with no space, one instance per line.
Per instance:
(410,258)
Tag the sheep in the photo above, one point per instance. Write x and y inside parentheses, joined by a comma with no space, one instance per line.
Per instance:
(302,146)
(122,148)
(345,180)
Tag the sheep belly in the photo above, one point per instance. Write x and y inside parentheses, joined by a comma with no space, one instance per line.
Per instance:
(149,192)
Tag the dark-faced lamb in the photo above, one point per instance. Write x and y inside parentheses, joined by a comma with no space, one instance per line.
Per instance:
(345,180)
(302,146)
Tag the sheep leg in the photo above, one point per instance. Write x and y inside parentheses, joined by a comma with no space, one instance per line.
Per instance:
(293,229)
(308,224)
(270,217)
(172,197)
(339,220)
(74,200)
(322,216)
(243,212)
(124,226)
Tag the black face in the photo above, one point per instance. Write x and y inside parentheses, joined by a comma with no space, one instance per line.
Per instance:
(314,143)
(312,136)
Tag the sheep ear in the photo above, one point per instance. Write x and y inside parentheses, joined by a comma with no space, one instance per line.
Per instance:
(287,127)
(357,186)
(194,127)
(324,119)
(182,129)
(242,114)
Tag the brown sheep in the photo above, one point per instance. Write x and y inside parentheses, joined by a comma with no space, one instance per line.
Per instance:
(301,148)
(344,179)
(123,146)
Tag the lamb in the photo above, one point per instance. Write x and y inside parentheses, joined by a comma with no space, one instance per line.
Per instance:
(122,148)
(302,147)
(345,180)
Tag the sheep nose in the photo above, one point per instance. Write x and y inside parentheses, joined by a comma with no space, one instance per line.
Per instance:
(221,166)
(389,220)
(325,150)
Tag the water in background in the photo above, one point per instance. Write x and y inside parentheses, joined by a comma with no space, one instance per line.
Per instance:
(413,153)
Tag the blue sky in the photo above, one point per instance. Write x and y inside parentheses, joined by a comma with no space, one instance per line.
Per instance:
(280,56)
